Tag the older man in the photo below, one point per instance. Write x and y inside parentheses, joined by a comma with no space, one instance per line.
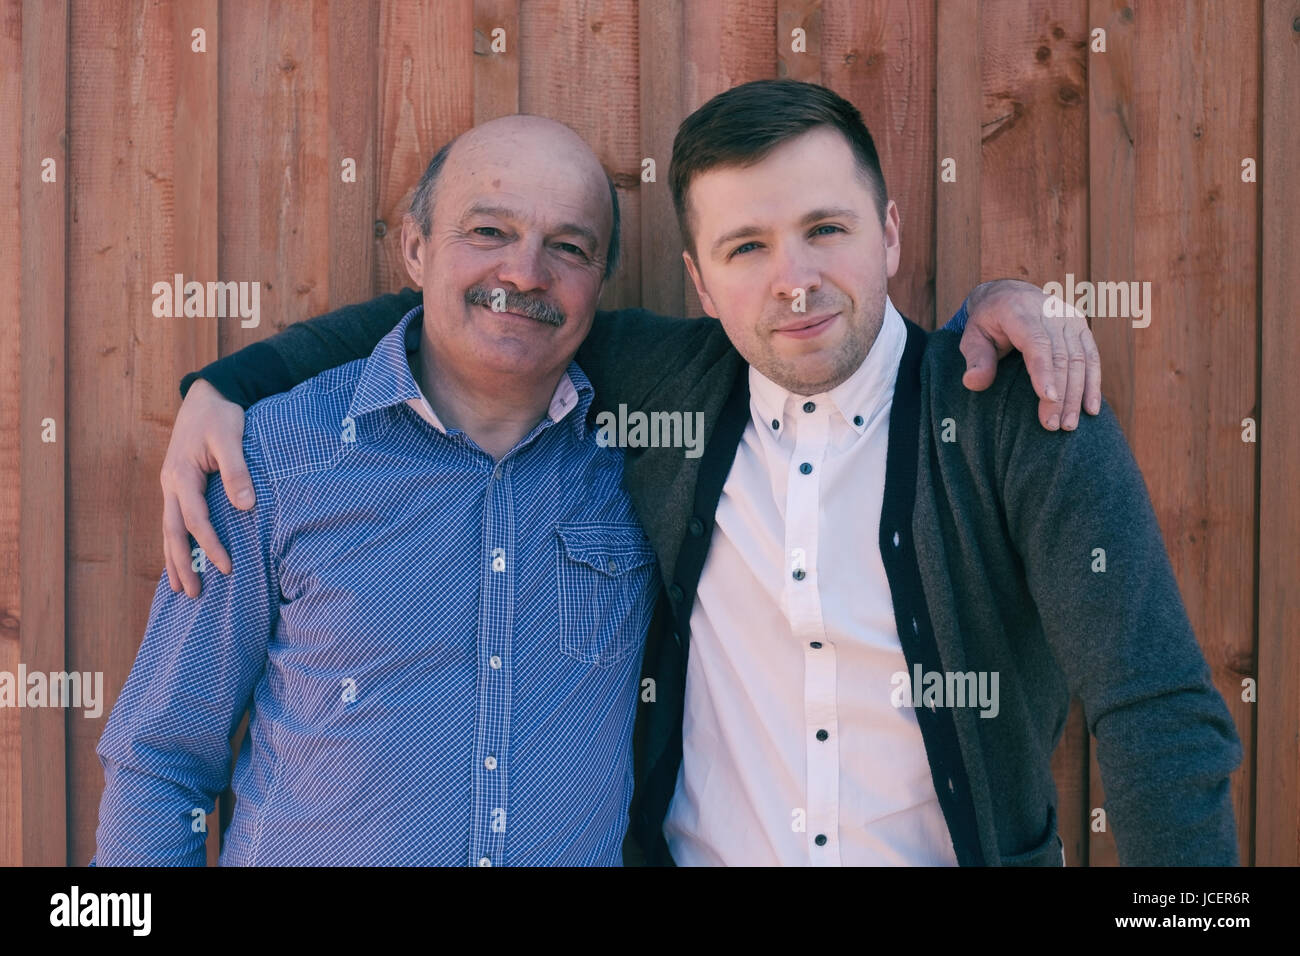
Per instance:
(438,609)
(541,582)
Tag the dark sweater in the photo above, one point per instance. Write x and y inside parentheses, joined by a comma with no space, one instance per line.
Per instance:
(992,570)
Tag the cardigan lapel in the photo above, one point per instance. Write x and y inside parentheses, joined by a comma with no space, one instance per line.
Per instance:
(911,613)
(663,482)
(719,454)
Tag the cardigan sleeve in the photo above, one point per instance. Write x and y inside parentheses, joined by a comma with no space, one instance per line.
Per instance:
(304,349)
(1079,515)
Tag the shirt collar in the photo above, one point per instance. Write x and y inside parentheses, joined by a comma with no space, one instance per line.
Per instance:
(387,379)
(857,399)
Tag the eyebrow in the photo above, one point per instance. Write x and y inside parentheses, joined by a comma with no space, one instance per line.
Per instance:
(828,212)
(505,212)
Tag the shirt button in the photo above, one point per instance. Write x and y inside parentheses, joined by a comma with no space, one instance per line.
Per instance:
(495,662)
(484,862)
(951,788)
(775,424)
(809,407)
(805,469)
(798,574)
(675,593)
(696,527)
(490,762)
(896,539)
(915,629)
(857,420)
(822,735)
(816,645)
(613,566)
(820,839)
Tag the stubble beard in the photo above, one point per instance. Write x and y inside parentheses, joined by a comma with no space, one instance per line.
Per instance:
(847,358)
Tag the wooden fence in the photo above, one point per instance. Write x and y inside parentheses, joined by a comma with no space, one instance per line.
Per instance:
(131,155)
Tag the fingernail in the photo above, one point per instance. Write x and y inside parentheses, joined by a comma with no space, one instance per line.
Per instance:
(1071,421)
(1054,421)
(245,498)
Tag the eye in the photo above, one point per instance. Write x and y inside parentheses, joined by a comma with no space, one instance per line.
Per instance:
(489,232)
(742,249)
(834,229)
(572,249)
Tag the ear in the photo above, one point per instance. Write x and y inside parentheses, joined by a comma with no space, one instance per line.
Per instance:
(893,239)
(414,249)
(705,299)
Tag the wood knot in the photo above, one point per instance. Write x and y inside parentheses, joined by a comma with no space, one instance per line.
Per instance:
(1068,95)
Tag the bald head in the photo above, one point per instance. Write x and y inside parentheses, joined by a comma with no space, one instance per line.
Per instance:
(517,141)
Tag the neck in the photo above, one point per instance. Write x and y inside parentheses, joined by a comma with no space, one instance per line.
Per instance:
(496,414)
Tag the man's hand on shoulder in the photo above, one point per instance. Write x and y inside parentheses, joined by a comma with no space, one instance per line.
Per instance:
(1060,354)
(207,437)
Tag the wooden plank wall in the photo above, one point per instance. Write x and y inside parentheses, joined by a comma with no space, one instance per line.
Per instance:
(11,273)
(34,808)
(1123,165)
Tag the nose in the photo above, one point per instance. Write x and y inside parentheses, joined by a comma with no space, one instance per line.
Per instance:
(524,266)
(794,271)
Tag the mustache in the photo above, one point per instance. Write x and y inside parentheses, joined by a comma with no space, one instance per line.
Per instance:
(519,302)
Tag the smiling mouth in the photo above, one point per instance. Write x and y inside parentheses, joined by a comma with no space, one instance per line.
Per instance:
(519,315)
(809,327)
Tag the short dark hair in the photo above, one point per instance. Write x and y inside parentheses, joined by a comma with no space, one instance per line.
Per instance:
(742,125)
(422,204)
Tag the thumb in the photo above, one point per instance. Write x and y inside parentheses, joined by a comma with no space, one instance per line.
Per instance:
(981,362)
(234,475)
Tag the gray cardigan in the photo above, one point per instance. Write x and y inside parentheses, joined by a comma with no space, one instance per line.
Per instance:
(1011,523)
(994,546)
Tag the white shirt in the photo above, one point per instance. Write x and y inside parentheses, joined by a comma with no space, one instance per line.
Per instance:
(563,399)
(794,562)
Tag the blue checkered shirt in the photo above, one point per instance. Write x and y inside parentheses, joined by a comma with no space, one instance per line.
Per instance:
(440,651)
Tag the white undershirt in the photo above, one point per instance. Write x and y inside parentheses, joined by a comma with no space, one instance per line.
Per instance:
(756,785)
(563,398)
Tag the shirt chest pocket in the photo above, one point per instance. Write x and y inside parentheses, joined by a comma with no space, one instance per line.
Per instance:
(605,576)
